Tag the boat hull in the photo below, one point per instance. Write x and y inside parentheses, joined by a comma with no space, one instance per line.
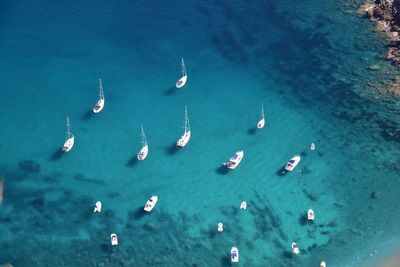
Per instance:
(114,239)
(310,214)
(68,144)
(323,264)
(143,153)
(292,163)
(261,124)
(181,82)
(234,254)
(99,106)
(182,142)
(235,160)
(295,248)
(151,203)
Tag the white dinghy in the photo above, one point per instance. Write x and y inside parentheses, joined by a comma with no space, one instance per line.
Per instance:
(292,163)
(243,206)
(100,104)
(220,227)
(234,254)
(145,148)
(182,81)
(69,139)
(312,146)
(323,264)
(151,203)
(187,133)
(97,208)
(235,160)
(310,215)
(295,248)
(114,239)
(261,123)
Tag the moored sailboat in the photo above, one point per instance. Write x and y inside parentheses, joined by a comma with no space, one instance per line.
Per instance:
(261,123)
(69,139)
(145,148)
(182,81)
(100,104)
(186,135)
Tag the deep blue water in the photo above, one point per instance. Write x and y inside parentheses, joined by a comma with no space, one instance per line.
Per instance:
(307,62)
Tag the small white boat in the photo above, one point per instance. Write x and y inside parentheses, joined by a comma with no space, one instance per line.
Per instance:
(261,123)
(98,207)
(295,248)
(323,264)
(114,239)
(243,206)
(220,227)
(100,104)
(312,147)
(145,148)
(186,135)
(69,139)
(234,254)
(292,163)
(310,214)
(151,203)
(234,160)
(182,81)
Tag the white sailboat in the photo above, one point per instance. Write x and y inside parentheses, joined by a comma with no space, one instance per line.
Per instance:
(100,104)
(261,123)
(70,139)
(182,81)
(186,135)
(145,148)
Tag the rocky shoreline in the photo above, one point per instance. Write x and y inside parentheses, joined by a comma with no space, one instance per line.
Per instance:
(386,15)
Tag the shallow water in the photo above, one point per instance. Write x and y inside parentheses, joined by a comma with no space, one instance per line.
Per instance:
(306,62)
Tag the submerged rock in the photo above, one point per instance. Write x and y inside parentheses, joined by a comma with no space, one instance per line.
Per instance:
(374,195)
(29,165)
(374,67)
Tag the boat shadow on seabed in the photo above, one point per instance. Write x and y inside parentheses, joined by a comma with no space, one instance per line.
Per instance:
(56,155)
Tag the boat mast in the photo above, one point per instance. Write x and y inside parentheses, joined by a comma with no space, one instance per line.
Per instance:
(187,124)
(101,93)
(144,141)
(68,134)
(183,68)
(262,111)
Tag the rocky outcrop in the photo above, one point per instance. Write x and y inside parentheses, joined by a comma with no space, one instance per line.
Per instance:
(386,14)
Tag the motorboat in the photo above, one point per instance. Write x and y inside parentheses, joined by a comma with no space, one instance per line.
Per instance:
(151,203)
(243,206)
(145,148)
(182,142)
(97,208)
(292,163)
(100,103)
(220,227)
(114,239)
(234,160)
(234,254)
(295,248)
(182,81)
(323,264)
(261,123)
(310,215)
(69,139)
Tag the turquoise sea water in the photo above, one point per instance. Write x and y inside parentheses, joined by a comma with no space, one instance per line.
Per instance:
(307,62)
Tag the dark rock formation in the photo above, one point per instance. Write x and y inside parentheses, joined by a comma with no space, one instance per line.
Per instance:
(29,166)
